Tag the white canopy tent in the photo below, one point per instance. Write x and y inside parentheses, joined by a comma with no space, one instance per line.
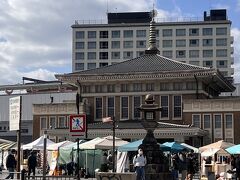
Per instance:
(56,146)
(196,150)
(107,143)
(38,144)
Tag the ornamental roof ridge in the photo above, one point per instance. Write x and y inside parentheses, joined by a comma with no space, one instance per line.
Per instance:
(174,125)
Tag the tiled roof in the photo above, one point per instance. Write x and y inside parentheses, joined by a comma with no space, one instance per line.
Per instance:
(144,64)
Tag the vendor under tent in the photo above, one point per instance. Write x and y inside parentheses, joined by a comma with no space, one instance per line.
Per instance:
(234,149)
(217,145)
(38,144)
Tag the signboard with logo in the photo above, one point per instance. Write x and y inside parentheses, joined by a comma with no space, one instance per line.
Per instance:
(77,126)
(14,113)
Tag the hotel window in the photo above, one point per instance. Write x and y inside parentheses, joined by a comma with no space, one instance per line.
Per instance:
(167,32)
(127,44)
(165,87)
(141,44)
(207,31)
(79,66)
(194,53)
(79,55)
(196,63)
(136,105)
(221,31)
(115,44)
(150,87)
(103,55)
(177,86)
(91,45)
(167,43)
(103,34)
(43,123)
(141,33)
(98,88)
(217,121)
(103,64)
(229,121)
(137,87)
(92,34)
(91,65)
(61,121)
(140,53)
(115,55)
(221,53)
(196,121)
(221,42)
(80,34)
(193,42)
(222,64)
(157,33)
(177,106)
(127,55)
(181,43)
(206,121)
(193,32)
(52,122)
(164,101)
(124,88)
(167,54)
(207,42)
(86,89)
(180,32)
(110,88)
(115,34)
(207,63)
(128,33)
(110,106)
(207,53)
(79,45)
(99,107)
(180,54)
(91,55)
(103,45)
(191,86)
(124,107)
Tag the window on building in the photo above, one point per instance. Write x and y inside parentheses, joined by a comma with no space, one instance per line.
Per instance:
(128,33)
(91,65)
(136,105)
(207,31)
(115,34)
(103,44)
(52,122)
(43,123)
(177,86)
(61,121)
(127,55)
(224,73)
(80,35)
(124,88)
(180,32)
(157,33)
(221,31)
(141,33)
(137,87)
(167,43)
(167,32)
(127,44)
(115,55)
(141,44)
(103,64)
(207,42)
(110,88)
(86,89)
(196,63)
(206,121)
(157,43)
(217,121)
(103,55)
(115,44)
(165,86)
(191,85)
(150,86)
(196,120)
(194,53)
(99,107)
(221,63)
(193,42)
(221,42)
(164,101)
(91,45)
(229,121)
(91,55)
(180,54)
(79,55)
(79,45)
(181,43)
(98,88)
(221,52)
(207,63)
(110,106)
(207,53)
(124,107)
(79,66)
(92,34)
(177,106)
(193,32)
(140,53)
(167,54)
(103,34)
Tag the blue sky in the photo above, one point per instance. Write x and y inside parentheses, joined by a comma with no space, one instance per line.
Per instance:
(36,37)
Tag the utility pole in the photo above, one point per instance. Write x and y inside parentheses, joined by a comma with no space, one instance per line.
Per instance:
(114,127)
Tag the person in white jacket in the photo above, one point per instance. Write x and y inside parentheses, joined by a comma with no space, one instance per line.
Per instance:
(139,161)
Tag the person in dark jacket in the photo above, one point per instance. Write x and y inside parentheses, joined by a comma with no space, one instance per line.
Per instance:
(11,164)
(32,163)
(238,167)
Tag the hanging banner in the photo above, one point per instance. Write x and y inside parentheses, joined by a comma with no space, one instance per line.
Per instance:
(14,113)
